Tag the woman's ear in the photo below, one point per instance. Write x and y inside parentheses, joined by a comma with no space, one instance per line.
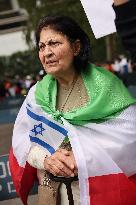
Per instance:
(77,47)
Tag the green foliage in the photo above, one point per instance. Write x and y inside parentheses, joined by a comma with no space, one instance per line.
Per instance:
(99,50)
(3,65)
(20,63)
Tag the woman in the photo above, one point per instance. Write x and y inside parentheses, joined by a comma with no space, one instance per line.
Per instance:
(90,109)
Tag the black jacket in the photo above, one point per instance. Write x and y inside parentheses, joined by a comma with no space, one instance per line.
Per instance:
(126,26)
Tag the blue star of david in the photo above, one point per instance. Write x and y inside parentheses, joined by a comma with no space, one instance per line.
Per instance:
(38,129)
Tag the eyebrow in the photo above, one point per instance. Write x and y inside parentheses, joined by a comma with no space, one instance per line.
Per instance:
(51,40)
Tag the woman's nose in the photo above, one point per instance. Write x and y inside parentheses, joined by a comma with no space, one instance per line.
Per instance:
(47,52)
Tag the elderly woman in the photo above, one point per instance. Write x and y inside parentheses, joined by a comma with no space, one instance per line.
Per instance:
(80,119)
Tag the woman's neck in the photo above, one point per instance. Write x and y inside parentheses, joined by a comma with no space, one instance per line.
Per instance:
(67,79)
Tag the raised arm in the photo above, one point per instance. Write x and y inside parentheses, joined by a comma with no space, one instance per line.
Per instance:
(126,24)
(119,2)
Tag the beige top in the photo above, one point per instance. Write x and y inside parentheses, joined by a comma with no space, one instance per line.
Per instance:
(67,99)
(77,98)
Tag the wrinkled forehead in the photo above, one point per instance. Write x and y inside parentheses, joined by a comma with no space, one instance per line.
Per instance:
(49,33)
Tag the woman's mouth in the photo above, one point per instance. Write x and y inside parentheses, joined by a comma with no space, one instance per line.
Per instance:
(51,62)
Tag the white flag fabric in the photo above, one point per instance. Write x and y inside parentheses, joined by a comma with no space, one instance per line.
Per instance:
(104,152)
(35,128)
(101,16)
(109,156)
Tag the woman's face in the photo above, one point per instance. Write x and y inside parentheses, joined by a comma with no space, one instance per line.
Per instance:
(56,53)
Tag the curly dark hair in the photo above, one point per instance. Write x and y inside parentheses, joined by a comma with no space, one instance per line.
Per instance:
(67,26)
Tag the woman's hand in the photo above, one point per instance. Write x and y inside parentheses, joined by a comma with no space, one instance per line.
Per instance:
(61,163)
(119,2)
(71,158)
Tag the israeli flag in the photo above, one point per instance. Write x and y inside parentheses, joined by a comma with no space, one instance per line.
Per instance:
(44,131)
(34,126)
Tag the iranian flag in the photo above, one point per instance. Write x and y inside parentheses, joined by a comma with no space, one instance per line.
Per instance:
(106,159)
(33,127)
(105,152)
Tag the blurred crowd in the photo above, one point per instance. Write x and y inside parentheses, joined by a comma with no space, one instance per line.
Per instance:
(18,86)
(120,66)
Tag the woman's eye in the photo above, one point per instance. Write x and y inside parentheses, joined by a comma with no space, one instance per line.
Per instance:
(41,47)
(55,43)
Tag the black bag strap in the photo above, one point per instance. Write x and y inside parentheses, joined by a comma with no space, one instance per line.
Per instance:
(67,181)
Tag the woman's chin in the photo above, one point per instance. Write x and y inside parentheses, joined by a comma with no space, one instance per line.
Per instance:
(52,72)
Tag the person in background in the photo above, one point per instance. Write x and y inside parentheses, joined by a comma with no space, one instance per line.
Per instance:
(27,81)
(2,91)
(123,64)
(96,109)
(116,66)
(126,25)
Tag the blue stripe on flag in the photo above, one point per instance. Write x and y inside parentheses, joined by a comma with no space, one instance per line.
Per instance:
(42,143)
(47,122)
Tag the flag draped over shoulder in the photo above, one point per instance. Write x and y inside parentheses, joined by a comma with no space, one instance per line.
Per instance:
(32,127)
(23,177)
(102,135)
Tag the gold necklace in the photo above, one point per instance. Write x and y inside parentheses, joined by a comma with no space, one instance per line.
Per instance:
(68,94)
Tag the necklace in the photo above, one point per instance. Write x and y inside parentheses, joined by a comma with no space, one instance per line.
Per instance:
(68,94)
(72,98)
